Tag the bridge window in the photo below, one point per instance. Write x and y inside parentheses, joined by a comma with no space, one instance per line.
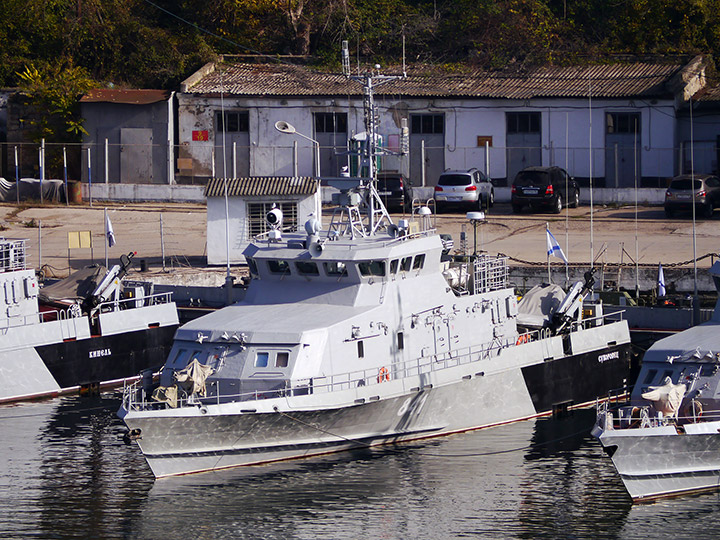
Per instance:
(278,267)
(372,268)
(394,266)
(307,268)
(335,268)
(281,359)
(261,359)
(419,262)
(405,264)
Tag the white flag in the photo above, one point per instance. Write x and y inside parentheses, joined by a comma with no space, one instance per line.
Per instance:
(109,231)
(553,248)
(661,281)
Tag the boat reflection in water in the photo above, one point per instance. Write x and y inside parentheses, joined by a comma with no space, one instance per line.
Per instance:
(66,474)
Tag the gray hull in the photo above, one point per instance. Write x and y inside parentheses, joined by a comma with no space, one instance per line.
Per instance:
(215,436)
(660,462)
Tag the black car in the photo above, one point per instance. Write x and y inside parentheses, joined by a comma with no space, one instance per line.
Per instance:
(679,194)
(544,187)
(395,191)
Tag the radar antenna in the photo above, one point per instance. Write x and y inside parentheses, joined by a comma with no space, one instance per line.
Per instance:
(377,213)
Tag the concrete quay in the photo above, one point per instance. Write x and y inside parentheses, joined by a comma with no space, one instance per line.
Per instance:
(609,234)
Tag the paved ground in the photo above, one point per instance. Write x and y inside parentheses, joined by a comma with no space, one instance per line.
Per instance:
(137,228)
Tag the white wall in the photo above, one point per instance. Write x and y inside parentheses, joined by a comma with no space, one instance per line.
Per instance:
(237,224)
(565,123)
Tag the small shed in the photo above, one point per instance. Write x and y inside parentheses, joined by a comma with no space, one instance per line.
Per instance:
(248,202)
(129,135)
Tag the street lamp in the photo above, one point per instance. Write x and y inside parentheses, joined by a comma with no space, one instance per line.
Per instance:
(284,127)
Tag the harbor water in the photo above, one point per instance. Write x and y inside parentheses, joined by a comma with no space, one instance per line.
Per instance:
(65,472)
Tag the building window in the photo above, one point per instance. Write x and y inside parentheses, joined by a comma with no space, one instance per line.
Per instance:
(623,122)
(257,224)
(524,122)
(424,124)
(330,122)
(235,121)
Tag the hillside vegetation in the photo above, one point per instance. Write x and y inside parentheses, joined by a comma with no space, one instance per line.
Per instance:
(156,44)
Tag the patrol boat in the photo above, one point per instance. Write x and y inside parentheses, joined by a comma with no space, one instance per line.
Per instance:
(86,332)
(666,440)
(366,334)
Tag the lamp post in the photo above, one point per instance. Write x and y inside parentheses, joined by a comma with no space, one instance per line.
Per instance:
(284,127)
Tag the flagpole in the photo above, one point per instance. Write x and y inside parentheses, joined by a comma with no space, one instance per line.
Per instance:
(105,220)
(547,231)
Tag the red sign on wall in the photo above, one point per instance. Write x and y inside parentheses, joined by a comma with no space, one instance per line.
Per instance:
(200,135)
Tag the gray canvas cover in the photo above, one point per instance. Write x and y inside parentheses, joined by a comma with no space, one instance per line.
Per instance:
(537,306)
(77,286)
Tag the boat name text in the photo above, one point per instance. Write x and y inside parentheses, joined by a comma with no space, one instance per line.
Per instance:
(609,356)
(99,353)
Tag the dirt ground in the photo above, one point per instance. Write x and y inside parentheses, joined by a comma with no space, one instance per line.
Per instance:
(607,234)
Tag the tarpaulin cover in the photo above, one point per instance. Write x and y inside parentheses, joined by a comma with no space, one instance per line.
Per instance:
(77,286)
(538,305)
(52,190)
(192,378)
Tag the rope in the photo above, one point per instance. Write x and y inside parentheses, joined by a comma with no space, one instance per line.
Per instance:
(632,264)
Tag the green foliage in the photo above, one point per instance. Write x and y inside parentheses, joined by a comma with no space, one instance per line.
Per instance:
(53,90)
(55,48)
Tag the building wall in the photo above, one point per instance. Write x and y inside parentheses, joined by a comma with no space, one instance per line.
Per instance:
(126,162)
(237,223)
(565,132)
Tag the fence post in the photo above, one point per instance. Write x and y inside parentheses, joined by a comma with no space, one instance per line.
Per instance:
(422,162)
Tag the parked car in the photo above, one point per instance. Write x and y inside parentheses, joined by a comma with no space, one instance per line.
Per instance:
(395,190)
(679,194)
(464,188)
(544,187)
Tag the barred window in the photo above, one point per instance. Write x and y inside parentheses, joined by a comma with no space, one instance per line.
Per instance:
(256,213)
(235,121)
(623,122)
(330,122)
(428,123)
(524,122)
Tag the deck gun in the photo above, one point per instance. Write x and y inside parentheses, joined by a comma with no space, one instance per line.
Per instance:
(110,286)
(568,310)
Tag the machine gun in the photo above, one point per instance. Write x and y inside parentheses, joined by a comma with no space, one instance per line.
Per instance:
(569,308)
(110,287)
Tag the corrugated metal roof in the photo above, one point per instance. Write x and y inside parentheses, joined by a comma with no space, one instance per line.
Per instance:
(262,185)
(709,93)
(126,97)
(638,79)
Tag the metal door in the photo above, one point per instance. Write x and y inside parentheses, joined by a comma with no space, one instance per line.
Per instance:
(622,149)
(331,134)
(427,129)
(523,142)
(136,165)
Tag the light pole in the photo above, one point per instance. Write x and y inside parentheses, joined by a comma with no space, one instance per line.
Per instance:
(284,127)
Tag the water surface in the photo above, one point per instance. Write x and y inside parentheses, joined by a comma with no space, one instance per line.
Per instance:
(66,473)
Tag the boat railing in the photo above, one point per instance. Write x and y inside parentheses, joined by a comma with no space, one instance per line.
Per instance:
(633,416)
(131,303)
(74,311)
(408,372)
